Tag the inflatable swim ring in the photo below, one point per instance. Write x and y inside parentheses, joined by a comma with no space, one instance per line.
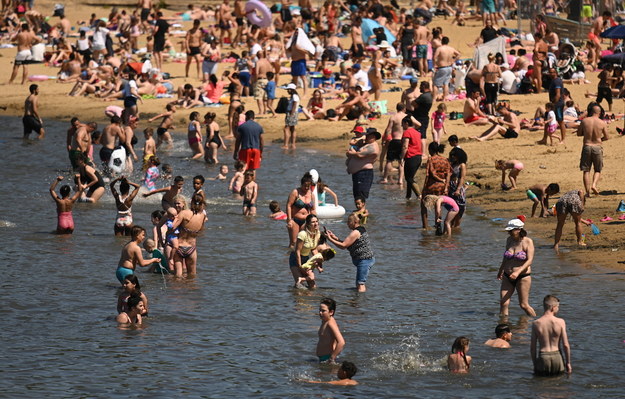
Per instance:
(328,211)
(38,78)
(258,13)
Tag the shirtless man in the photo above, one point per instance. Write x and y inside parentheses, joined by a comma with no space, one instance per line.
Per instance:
(508,126)
(260,72)
(331,342)
(192,44)
(74,124)
(224,18)
(81,142)
(410,94)
(298,63)
(595,131)
(145,6)
(503,334)
(392,146)
(358,47)
(66,26)
(472,113)
(598,26)
(355,99)
(540,60)
(132,256)
(32,121)
(25,40)
(129,133)
(422,38)
(444,59)
(239,17)
(112,136)
(550,332)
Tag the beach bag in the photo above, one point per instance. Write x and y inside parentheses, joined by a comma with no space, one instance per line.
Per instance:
(282,106)
(621,206)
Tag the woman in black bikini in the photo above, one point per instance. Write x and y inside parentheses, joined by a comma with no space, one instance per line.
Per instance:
(191,223)
(299,205)
(213,140)
(516,268)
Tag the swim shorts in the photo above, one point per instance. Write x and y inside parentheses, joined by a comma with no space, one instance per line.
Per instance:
(122,272)
(393,153)
(592,156)
(442,76)
(105,155)
(259,88)
(324,358)
(357,50)
(549,363)
(31,124)
(298,68)
(531,195)
(161,131)
(510,134)
(470,119)
(145,13)
(488,7)
(422,51)
(251,157)
(193,51)
(23,57)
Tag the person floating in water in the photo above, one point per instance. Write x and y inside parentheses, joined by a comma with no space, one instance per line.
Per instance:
(550,331)
(64,205)
(331,341)
(504,336)
(344,375)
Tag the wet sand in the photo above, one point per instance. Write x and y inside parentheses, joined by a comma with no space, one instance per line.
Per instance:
(542,164)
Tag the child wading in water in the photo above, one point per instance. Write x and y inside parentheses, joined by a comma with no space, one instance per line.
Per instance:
(458,361)
(250,193)
(438,123)
(331,341)
(64,205)
(167,123)
(237,180)
(313,263)
(344,375)
(149,148)
(167,202)
(150,246)
(515,167)
(131,287)
(152,173)
(276,212)
(361,209)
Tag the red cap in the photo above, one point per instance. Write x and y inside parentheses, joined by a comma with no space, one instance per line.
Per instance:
(326,71)
(359,129)
(521,218)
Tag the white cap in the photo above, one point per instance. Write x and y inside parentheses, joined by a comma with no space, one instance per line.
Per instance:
(291,86)
(514,224)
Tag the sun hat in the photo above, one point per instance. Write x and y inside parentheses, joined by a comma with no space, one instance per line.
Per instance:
(290,86)
(374,132)
(384,44)
(514,224)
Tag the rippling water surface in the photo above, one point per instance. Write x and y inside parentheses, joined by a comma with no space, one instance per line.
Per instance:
(239,330)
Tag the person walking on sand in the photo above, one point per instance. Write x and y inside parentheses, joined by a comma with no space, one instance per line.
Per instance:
(444,59)
(25,40)
(192,43)
(32,121)
(595,131)
(550,332)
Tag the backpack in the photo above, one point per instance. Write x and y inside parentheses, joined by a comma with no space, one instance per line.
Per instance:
(282,106)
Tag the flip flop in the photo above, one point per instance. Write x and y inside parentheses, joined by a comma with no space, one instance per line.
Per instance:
(606,219)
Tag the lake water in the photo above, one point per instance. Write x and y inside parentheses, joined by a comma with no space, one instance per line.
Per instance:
(239,330)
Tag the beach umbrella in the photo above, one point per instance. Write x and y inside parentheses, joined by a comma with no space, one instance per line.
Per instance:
(614,32)
(367,30)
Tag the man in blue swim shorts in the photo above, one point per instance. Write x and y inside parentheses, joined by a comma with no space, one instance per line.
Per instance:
(298,63)
(488,11)
(422,38)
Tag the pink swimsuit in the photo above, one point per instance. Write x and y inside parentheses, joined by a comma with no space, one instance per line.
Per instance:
(65,221)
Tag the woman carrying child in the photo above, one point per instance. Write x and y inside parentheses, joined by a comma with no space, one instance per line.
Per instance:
(306,242)
(299,205)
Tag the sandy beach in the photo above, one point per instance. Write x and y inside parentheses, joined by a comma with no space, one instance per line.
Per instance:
(543,164)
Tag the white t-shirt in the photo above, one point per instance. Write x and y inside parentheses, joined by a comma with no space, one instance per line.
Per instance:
(255,49)
(552,117)
(99,37)
(294,99)
(363,80)
(509,82)
(571,111)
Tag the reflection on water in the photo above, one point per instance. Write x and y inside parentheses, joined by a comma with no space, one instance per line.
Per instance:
(239,330)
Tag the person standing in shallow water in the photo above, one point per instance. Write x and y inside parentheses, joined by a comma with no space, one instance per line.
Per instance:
(32,121)
(64,205)
(516,268)
(550,331)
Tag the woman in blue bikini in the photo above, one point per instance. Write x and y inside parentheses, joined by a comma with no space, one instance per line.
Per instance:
(516,268)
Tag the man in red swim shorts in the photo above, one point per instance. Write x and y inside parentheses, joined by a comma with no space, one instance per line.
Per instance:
(248,147)
(472,114)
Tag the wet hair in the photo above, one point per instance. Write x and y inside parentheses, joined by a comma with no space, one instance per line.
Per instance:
(400,107)
(330,303)
(135,280)
(327,253)
(124,187)
(74,119)
(157,214)
(349,369)
(554,188)
(238,165)
(136,230)
(65,190)
(354,217)
(274,206)
(197,203)
(459,154)
(249,173)
(436,148)
(360,198)
(194,115)
(307,178)
(116,119)
(154,160)
(134,300)
(200,178)
(459,346)
(148,131)
(550,301)
(177,179)
(82,158)
(429,201)
(501,329)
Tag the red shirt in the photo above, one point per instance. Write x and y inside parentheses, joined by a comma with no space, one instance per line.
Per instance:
(414,142)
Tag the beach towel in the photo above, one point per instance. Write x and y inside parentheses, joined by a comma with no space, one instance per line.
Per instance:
(303,42)
(480,56)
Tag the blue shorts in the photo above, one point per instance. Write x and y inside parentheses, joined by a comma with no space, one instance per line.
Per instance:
(488,7)
(362,269)
(293,259)
(531,195)
(122,272)
(298,68)
(422,51)
(559,111)
(245,78)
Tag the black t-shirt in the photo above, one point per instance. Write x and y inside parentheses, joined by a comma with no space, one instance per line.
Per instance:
(423,103)
(163,27)
(488,34)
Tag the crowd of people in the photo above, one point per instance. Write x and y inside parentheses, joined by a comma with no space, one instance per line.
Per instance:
(98,65)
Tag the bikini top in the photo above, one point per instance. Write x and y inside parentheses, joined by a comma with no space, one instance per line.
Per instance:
(301,204)
(521,255)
